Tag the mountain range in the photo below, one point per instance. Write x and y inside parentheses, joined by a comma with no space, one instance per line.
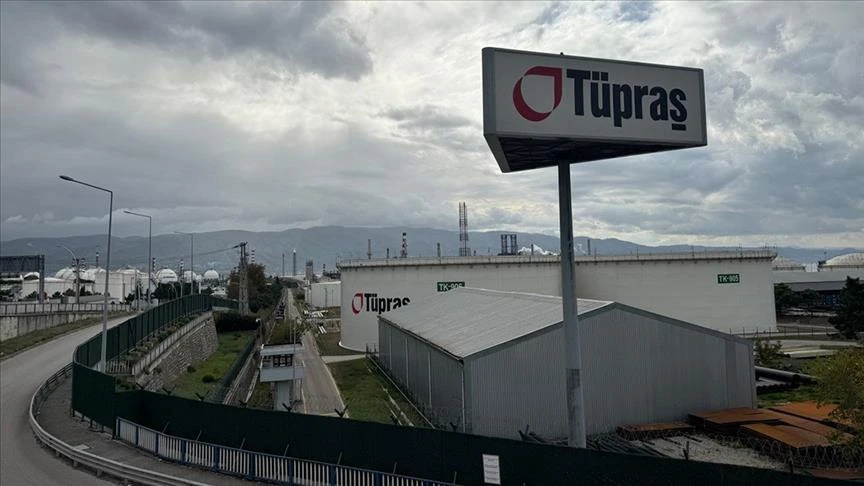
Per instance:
(325,246)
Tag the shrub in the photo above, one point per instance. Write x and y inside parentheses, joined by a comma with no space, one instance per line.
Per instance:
(207,379)
(190,369)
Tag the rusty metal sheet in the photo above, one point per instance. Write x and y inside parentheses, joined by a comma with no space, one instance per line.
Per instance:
(826,431)
(734,416)
(788,435)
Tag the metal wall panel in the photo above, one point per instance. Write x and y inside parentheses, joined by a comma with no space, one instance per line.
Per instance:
(518,385)
(446,386)
(398,355)
(433,378)
(636,369)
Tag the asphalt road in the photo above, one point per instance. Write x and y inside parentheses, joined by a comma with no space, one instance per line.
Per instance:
(22,460)
(319,393)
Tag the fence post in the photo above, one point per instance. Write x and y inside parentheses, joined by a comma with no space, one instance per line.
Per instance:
(157,442)
(331,473)
(183,443)
(216,450)
(251,468)
(378,479)
(290,472)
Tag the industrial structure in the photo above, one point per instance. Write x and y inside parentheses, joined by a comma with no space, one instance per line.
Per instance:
(491,363)
(723,290)
(324,294)
(464,250)
(828,280)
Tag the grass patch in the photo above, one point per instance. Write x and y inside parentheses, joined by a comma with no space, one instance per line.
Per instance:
(285,332)
(362,389)
(800,394)
(231,344)
(328,344)
(13,346)
(262,397)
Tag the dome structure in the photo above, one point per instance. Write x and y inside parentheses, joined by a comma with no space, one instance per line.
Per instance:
(166,275)
(188,274)
(787,265)
(65,273)
(30,276)
(849,260)
(211,275)
(91,274)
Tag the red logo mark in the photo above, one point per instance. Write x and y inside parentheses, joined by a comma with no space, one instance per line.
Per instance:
(519,101)
(357,303)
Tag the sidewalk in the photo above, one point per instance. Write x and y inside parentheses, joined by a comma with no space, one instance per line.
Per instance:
(55,419)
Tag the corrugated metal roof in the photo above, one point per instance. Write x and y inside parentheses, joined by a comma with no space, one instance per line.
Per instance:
(466,321)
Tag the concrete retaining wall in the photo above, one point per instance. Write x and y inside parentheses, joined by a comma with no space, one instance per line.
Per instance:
(15,326)
(194,347)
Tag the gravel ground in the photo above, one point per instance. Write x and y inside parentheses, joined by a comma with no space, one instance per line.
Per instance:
(709,450)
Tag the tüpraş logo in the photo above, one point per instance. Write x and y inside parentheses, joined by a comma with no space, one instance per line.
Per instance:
(370,302)
(608,100)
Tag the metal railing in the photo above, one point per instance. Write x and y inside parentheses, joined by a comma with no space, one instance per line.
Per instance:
(77,456)
(36,308)
(257,466)
(782,332)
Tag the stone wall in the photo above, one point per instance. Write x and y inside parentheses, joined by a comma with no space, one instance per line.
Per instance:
(193,348)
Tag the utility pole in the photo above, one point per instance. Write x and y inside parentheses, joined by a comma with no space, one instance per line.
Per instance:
(283,264)
(243,290)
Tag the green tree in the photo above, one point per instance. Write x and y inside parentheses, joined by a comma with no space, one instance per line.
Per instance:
(56,295)
(850,312)
(784,298)
(32,296)
(841,381)
(810,299)
(767,353)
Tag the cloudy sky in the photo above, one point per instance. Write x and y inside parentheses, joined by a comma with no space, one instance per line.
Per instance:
(267,116)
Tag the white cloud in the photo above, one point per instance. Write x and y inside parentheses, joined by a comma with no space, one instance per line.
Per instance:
(269,116)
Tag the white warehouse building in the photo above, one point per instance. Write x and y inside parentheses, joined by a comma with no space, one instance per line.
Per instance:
(724,290)
(486,362)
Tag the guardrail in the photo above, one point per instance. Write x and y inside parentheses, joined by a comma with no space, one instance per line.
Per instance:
(35,308)
(98,464)
(257,466)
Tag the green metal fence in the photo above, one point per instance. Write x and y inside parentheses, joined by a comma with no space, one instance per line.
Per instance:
(128,334)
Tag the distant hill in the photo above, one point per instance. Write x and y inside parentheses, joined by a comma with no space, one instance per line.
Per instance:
(325,245)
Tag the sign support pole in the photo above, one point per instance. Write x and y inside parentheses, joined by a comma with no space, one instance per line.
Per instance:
(572,350)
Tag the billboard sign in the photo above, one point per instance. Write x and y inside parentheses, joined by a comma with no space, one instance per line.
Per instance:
(540,108)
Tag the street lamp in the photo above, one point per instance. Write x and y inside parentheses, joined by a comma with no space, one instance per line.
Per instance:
(77,273)
(191,261)
(103,356)
(149,250)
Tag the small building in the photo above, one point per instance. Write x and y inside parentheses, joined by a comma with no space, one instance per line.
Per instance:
(324,294)
(491,362)
(280,364)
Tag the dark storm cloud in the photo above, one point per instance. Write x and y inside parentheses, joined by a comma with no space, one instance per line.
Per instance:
(302,36)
